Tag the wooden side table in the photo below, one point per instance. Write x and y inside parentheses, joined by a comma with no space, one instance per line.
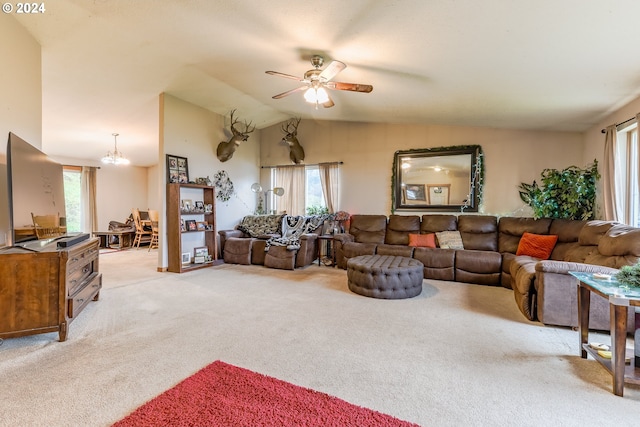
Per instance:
(620,299)
(328,240)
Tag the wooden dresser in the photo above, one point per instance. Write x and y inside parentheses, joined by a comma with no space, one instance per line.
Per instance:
(45,288)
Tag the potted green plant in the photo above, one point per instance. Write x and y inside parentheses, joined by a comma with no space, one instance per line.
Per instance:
(629,275)
(569,193)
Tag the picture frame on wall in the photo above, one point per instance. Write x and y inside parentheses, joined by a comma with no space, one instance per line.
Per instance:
(415,192)
(177,169)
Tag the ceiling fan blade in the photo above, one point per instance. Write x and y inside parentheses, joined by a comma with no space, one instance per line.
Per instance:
(289,92)
(286,76)
(332,70)
(353,87)
(329,103)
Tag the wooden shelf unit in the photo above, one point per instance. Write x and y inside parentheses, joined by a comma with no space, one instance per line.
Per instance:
(176,244)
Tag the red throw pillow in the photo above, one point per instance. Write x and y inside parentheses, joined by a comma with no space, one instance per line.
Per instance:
(537,245)
(422,240)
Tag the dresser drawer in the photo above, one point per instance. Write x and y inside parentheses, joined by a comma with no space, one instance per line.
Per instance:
(79,258)
(76,278)
(86,293)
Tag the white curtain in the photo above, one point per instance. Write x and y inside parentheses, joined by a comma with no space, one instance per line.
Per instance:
(609,174)
(89,212)
(292,179)
(329,179)
(621,175)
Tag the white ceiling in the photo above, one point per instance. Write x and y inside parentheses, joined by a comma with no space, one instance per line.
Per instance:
(544,64)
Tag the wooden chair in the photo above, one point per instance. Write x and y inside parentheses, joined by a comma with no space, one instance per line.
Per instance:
(142,235)
(46,226)
(154,217)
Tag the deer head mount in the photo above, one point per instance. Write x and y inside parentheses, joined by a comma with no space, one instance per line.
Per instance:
(227,148)
(290,130)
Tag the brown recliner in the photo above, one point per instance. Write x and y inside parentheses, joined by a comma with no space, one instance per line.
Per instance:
(365,233)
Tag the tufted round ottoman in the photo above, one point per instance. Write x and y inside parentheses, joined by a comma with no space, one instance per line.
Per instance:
(385,276)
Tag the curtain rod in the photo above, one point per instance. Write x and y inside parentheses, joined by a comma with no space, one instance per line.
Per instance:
(621,123)
(291,166)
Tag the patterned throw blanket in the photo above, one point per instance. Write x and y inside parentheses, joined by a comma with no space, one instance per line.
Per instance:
(293,227)
(260,225)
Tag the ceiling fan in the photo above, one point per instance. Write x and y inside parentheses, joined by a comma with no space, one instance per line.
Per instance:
(316,82)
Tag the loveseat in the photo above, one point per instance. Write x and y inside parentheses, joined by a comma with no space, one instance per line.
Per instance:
(488,254)
(260,240)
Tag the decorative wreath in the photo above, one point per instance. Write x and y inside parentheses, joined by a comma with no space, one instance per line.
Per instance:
(224,186)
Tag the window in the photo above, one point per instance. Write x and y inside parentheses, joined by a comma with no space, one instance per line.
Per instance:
(314,197)
(626,175)
(73,197)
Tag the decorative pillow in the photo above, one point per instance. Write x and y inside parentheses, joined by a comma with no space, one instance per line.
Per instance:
(450,240)
(422,240)
(537,245)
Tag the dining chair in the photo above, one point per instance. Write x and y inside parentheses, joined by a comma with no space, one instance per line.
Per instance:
(46,226)
(142,235)
(154,217)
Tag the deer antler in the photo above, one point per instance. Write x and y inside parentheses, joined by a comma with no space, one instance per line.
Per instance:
(291,123)
(247,127)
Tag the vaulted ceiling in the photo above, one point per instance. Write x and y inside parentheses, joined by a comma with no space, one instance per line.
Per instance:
(545,64)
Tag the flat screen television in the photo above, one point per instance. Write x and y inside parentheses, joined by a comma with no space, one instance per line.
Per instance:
(35,185)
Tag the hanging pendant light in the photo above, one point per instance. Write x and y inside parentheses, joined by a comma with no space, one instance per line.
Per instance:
(115,157)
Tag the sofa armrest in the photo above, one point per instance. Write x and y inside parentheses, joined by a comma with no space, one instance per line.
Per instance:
(564,267)
(308,249)
(231,233)
(338,242)
(344,238)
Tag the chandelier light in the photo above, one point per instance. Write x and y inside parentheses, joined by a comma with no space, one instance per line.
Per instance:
(115,157)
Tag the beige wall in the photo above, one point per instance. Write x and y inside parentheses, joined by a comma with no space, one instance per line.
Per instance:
(193,132)
(367,149)
(20,99)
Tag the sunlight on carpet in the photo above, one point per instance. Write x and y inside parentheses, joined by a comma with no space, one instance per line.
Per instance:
(225,395)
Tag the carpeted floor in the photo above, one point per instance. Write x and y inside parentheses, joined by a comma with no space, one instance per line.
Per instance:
(456,354)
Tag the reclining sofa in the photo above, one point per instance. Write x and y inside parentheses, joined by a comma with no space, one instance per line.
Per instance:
(488,255)
(249,243)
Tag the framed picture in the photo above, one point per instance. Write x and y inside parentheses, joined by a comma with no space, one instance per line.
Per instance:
(199,206)
(208,208)
(415,192)
(201,225)
(191,225)
(186,258)
(186,205)
(177,169)
(200,255)
(183,227)
(201,251)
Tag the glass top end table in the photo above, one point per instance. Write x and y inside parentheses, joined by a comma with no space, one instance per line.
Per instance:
(620,298)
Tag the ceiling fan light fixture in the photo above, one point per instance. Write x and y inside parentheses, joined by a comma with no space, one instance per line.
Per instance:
(115,157)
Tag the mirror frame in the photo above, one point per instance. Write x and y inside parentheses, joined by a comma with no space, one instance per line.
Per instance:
(475,181)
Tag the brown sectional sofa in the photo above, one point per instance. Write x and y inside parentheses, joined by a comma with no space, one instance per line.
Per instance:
(543,289)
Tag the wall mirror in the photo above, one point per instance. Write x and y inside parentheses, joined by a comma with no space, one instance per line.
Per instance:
(445,179)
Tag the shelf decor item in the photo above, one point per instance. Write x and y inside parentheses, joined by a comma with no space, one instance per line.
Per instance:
(177,169)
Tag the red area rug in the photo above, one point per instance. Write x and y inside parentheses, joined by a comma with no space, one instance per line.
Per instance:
(225,395)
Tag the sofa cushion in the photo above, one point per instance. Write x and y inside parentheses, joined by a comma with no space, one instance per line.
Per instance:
(433,223)
(438,263)
(568,231)
(536,245)
(511,229)
(479,232)
(395,250)
(399,228)
(368,228)
(422,240)
(449,240)
(619,246)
